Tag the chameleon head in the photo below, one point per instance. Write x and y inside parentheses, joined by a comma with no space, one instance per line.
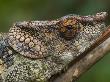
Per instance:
(69,27)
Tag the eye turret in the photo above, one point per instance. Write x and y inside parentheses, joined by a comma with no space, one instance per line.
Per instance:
(69,27)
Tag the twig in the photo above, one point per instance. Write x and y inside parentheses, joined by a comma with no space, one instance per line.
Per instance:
(87,60)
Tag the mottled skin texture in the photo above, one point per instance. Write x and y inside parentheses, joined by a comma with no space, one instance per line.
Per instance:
(40,49)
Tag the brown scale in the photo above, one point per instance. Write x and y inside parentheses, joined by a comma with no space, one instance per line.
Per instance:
(37,39)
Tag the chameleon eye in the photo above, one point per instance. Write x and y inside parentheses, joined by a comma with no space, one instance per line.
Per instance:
(68,28)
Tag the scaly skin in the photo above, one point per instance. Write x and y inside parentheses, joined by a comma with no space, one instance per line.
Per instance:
(41,49)
(6,52)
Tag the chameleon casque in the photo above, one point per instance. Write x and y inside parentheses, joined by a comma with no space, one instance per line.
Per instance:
(33,51)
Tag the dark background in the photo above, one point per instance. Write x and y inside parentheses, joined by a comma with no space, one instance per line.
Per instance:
(23,10)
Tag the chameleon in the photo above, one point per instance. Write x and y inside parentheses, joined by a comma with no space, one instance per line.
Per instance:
(33,51)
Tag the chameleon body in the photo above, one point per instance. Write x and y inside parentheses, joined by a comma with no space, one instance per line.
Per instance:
(41,49)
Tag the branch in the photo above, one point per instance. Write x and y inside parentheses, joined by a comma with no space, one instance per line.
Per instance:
(87,60)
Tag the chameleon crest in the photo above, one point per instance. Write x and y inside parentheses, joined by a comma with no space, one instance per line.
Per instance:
(38,39)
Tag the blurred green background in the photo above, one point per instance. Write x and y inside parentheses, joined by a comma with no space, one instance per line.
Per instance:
(20,10)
